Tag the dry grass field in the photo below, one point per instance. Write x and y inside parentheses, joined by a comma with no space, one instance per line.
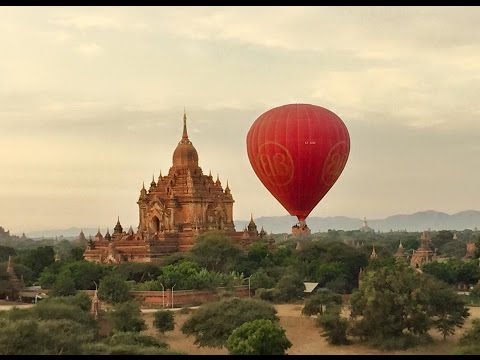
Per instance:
(305,337)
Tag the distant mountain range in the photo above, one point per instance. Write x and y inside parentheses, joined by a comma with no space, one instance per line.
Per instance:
(418,221)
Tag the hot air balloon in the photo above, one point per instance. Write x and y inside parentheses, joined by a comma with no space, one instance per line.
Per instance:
(298,151)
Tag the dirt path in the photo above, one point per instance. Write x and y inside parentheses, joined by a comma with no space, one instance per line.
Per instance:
(305,337)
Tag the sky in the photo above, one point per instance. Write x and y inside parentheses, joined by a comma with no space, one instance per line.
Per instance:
(92,100)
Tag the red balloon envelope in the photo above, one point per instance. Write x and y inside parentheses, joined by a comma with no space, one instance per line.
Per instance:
(298,151)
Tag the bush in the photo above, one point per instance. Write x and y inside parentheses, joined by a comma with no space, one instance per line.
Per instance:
(105,349)
(258,337)
(334,327)
(260,279)
(406,341)
(64,286)
(113,289)
(43,337)
(81,300)
(266,294)
(469,343)
(127,317)
(134,338)
(290,288)
(475,294)
(319,301)
(213,323)
(56,311)
(164,321)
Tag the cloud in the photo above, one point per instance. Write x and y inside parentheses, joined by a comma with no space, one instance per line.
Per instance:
(89,49)
(378,32)
(87,21)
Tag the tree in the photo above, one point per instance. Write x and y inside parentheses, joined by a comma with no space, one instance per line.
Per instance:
(138,272)
(215,251)
(320,300)
(449,311)
(81,300)
(49,275)
(334,327)
(395,306)
(64,285)
(476,240)
(328,260)
(36,259)
(469,343)
(258,337)
(84,273)
(126,317)
(45,337)
(113,289)
(58,311)
(5,252)
(257,252)
(290,287)
(452,249)
(76,253)
(181,275)
(23,272)
(441,238)
(164,321)
(213,323)
(442,271)
(260,279)
(475,294)
(468,272)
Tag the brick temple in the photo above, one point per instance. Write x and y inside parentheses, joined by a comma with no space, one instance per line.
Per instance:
(172,213)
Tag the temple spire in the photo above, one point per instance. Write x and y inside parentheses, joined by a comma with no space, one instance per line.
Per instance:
(9,265)
(185,134)
(373,255)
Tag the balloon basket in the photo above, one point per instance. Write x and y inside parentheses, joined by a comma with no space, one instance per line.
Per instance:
(300,229)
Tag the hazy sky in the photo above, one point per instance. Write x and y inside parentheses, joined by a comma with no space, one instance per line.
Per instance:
(92,98)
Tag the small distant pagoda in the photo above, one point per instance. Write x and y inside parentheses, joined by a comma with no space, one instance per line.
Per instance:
(373,255)
(423,254)
(365,227)
(471,248)
(400,253)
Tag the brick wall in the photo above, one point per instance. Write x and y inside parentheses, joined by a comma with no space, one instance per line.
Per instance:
(180,298)
(185,297)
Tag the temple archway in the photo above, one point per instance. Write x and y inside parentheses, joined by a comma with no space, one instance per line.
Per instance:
(156,224)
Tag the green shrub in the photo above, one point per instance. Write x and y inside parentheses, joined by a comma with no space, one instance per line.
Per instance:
(266,294)
(113,289)
(334,327)
(164,321)
(258,337)
(213,323)
(134,338)
(127,317)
